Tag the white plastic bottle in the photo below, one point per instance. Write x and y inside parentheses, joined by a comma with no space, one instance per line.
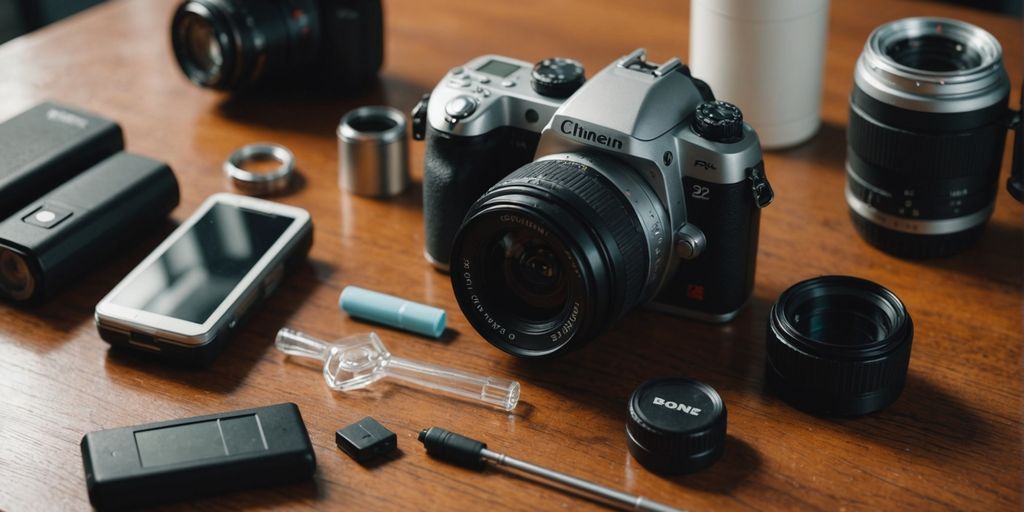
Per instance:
(767,57)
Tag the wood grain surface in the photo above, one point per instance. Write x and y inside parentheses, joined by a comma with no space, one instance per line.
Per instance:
(952,441)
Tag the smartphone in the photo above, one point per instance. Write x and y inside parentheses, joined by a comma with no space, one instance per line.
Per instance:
(186,298)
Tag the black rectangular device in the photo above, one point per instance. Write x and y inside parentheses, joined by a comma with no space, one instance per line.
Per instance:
(47,145)
(60,235)
(192,292)
(183,459)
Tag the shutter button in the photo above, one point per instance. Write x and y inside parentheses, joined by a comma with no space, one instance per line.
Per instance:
(461,107)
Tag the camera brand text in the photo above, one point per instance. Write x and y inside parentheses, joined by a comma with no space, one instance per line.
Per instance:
(575,129)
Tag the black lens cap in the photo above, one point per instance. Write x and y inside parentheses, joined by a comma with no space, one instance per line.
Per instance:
(838,346)
(675,425)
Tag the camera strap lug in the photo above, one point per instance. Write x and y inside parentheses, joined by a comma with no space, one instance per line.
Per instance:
(762,190)
(419,118)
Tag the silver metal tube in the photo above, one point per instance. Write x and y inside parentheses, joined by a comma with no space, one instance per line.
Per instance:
(636,502)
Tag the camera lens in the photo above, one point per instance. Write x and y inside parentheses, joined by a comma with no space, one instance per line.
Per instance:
(838,345)
(230,44)
(926,135)
(16,278)
(201,47)
(555,252)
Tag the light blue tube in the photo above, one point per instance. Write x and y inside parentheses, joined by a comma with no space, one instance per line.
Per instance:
(392,311)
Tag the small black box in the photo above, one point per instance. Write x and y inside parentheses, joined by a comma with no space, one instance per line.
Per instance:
(366,439)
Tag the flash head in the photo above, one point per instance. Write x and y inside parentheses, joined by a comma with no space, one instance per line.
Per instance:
(58,236)
(17,281)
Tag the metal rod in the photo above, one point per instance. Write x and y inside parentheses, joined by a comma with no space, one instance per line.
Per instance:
(636,502)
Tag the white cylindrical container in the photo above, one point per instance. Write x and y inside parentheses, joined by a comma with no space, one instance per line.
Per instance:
(767,57)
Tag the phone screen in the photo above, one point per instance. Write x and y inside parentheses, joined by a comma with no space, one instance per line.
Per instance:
(201,268)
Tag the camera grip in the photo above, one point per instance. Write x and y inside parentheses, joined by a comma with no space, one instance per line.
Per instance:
(457,171)
(717,284)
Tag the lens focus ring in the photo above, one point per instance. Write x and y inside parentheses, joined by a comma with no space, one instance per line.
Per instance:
(932,155)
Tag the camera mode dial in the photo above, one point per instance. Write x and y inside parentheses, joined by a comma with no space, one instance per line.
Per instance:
(718,121)
(557,77)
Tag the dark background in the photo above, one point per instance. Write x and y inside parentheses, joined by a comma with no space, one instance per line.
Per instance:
(21,16)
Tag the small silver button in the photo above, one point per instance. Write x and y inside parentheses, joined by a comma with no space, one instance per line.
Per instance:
(456,71)
(508,83)
(461,106)
(485,80)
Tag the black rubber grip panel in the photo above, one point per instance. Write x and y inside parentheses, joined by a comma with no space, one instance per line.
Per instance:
(458,170)
(929,155)
(602,207)
(911,246)
(721,279)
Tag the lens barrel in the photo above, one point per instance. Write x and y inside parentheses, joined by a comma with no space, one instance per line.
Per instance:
(925,143)
(549,257)
(232,44)
(838,346)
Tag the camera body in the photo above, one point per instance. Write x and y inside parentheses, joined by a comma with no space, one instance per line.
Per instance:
(677,182)
(232,44)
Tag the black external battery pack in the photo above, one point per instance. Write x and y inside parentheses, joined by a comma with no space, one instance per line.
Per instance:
(188,458)
(62,234)
(47,145)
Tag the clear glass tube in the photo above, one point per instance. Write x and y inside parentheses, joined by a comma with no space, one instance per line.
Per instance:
(357,361)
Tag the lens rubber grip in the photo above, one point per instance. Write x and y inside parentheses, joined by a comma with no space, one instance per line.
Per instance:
(928,155)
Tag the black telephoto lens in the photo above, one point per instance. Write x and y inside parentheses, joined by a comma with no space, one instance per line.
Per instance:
(549,257)
(928,120)
(838,346)
(231,44)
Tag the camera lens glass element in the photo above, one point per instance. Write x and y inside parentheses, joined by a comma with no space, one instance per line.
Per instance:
(936,53)
(838,345)
(201,45)
(16,278)
(551,255)
(231,44)
(926,136)
(528,268)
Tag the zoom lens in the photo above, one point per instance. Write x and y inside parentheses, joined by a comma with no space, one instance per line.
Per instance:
(16,278)
(838,346)
(231,44)
(555,252)
(928,118)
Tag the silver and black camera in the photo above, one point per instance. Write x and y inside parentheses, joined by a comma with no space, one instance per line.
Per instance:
(561,204)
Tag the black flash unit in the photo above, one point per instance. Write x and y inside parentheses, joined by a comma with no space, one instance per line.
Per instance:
(65,232)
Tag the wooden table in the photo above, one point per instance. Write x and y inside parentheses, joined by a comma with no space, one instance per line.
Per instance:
(953,440)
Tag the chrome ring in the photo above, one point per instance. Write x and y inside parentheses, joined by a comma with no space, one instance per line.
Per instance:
(260,184)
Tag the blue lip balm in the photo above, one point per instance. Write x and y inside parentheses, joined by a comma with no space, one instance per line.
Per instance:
(393,311)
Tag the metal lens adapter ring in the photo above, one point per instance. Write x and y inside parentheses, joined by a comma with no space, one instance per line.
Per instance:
(936,65)
(257,183)
(838,346)
(373,157)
